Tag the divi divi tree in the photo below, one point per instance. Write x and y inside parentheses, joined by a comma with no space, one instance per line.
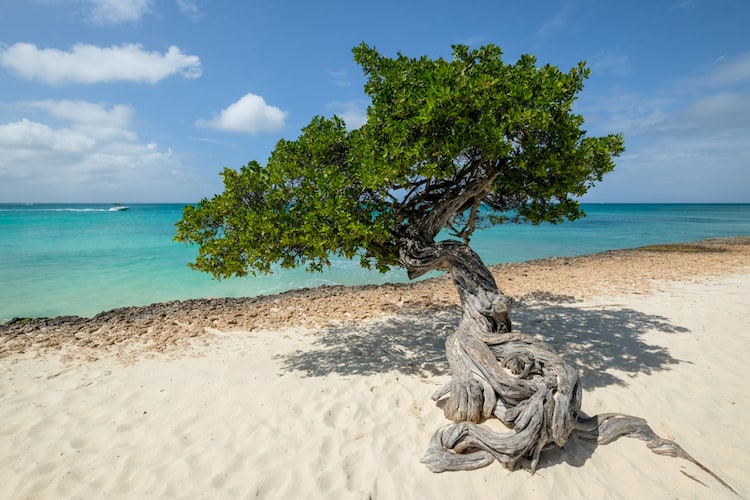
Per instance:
(449,147)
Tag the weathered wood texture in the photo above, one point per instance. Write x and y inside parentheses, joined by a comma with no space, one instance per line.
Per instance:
(510,376)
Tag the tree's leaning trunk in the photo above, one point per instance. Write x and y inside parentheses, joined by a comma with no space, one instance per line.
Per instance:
(494,372)
(511,376)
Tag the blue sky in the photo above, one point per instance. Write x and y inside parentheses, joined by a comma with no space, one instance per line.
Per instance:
(147,100)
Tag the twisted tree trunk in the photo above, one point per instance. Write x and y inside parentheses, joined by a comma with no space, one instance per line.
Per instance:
(509,376)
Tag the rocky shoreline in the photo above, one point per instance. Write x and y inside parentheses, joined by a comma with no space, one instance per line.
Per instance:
(163,326)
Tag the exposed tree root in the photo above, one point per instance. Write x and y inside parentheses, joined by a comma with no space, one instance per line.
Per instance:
(530,389)
(607,427)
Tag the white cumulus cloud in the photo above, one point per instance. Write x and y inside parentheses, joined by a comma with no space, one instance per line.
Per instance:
(354,113)
(24,136)
(82,151)
(250,115)
(89,64)
(92,120)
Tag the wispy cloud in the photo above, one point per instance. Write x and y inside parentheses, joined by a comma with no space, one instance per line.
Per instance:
(557,22)
(709,102)
(91,64)
(340,78)
(107,12)
(190,9)
(613,63)
(680,168)
(625,112)
(250,115)
(696,130)
(718,112)
(726,71)
(685,4)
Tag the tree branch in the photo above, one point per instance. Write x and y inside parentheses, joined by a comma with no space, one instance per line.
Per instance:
(456,196)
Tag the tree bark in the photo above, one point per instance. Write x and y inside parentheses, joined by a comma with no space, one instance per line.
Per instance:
(510,376)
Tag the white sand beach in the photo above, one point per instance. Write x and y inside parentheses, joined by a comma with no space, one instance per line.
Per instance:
(333,406)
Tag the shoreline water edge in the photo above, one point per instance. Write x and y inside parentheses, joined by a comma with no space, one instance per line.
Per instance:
(163,325)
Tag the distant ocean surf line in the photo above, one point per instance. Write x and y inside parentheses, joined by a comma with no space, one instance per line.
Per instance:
(82,259)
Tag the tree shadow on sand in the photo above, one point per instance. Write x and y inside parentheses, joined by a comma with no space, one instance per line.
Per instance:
(407,343)
(598,340)
(607,343)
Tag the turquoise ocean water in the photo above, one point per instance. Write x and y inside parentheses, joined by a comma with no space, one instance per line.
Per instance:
(84,259)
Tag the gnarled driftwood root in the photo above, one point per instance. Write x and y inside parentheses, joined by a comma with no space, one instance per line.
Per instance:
(531,390)
(523,383)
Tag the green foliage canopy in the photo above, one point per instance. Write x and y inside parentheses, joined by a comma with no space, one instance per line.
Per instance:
(453,145)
